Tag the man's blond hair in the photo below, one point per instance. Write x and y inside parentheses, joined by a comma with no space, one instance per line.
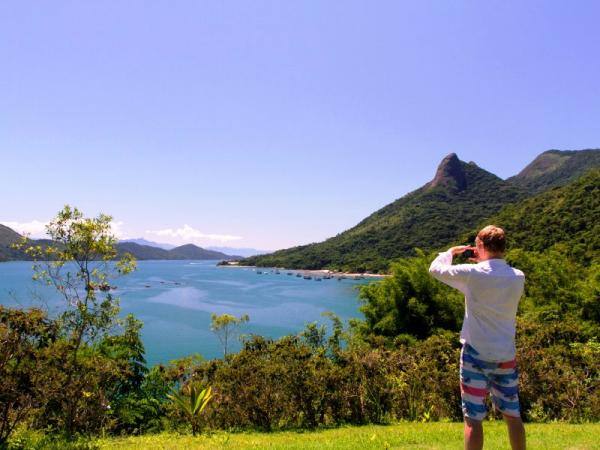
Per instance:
(493,239)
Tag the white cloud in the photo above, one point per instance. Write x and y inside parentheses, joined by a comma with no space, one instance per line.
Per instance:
(117,229)
(187,233)
(34,229)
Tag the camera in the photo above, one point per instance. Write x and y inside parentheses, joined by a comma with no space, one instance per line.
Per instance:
(469,253)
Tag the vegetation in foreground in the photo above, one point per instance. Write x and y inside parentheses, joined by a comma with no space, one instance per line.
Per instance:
(83,373)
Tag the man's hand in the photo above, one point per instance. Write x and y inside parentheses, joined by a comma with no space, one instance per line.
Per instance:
(458,249)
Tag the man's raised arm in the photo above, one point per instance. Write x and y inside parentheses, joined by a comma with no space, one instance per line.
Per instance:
(455,276)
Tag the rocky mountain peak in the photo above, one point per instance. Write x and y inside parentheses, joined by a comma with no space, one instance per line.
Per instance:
(450,173)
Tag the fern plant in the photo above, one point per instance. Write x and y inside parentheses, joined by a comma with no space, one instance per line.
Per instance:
(192,402)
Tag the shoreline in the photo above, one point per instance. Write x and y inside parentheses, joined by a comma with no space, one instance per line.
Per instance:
(321,272)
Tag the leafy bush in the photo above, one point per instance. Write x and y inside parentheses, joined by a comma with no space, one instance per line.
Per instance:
(559,365)
(25,336)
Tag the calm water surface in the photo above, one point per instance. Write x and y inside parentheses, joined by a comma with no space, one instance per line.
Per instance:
(174,299)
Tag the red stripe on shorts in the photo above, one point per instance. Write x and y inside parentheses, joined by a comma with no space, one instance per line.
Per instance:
(478,392)
(508,364)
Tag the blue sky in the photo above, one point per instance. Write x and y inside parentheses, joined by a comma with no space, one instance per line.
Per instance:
(268,124)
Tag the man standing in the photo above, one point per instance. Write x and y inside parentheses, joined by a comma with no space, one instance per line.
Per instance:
(492,291)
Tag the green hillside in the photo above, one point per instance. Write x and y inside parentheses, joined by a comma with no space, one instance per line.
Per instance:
(568,215)
(458,198)
(8,237)
(556,168)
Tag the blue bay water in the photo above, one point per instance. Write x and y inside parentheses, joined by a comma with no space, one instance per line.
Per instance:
(175,299)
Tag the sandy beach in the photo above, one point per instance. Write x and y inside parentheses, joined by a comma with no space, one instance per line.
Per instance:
(320,272)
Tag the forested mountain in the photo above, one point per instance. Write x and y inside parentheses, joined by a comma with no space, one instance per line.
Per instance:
(460,197)
(8,235)
(556,168)
(191,251)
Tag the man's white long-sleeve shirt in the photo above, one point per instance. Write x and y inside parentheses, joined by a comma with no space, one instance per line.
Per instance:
(492,291)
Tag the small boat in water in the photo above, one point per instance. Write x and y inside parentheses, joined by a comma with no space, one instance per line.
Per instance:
(290,273)
(318,279)
(299,275)
(307,277)
(258,272)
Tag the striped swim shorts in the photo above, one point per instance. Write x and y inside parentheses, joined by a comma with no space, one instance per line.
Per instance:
(479,377)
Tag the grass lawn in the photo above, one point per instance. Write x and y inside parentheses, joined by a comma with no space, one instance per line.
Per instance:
(398,436)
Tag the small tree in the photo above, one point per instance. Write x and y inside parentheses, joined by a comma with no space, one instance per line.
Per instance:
(409,302)
(226,327)
(79,262)
(314,335)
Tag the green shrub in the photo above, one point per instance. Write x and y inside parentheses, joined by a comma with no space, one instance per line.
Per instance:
(559,364)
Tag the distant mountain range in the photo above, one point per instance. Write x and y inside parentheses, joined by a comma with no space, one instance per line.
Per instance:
(459,197)
(140,252)
(241,252)
(188,251)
